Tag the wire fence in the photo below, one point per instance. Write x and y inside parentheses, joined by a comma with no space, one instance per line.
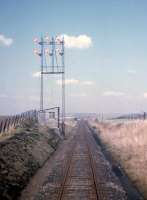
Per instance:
(12,121)
(50,117)
(133,116)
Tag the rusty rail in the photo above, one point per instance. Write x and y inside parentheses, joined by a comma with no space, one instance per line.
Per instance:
(97,193)
(66,172)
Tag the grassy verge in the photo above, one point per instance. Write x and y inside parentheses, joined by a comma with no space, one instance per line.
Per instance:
(128,144)
(22,154)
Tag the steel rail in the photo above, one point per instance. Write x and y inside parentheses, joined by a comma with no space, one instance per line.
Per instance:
(66,173)
(96,186)
(99,191)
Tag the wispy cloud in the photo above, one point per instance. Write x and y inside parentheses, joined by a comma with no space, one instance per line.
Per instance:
(68,82)
(73,81)
(3,96)
(87,83)
(5,41)
(113,93)
(81,41)
(132,71)
(36,74)
(79,95)
(145,95)
(19,97)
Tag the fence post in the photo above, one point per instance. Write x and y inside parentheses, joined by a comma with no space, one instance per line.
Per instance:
(1,126)
(36,115)
(5,125)
(144,115)
(58,117)
(8,124)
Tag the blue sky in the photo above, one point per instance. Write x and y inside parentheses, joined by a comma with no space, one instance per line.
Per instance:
(115,63)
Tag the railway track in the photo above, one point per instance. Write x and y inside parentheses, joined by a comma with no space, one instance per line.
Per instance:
(80,172)
(81,180)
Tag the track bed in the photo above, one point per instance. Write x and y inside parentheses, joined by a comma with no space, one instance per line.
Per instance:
(79,172)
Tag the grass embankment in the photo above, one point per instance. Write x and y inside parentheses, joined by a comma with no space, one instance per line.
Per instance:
(21,155)
(127,142)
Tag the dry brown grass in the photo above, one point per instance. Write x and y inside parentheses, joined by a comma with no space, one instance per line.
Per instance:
(14,130)
(8,134)
(128,144)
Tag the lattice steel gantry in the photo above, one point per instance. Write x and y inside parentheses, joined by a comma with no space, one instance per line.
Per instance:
(51,52)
